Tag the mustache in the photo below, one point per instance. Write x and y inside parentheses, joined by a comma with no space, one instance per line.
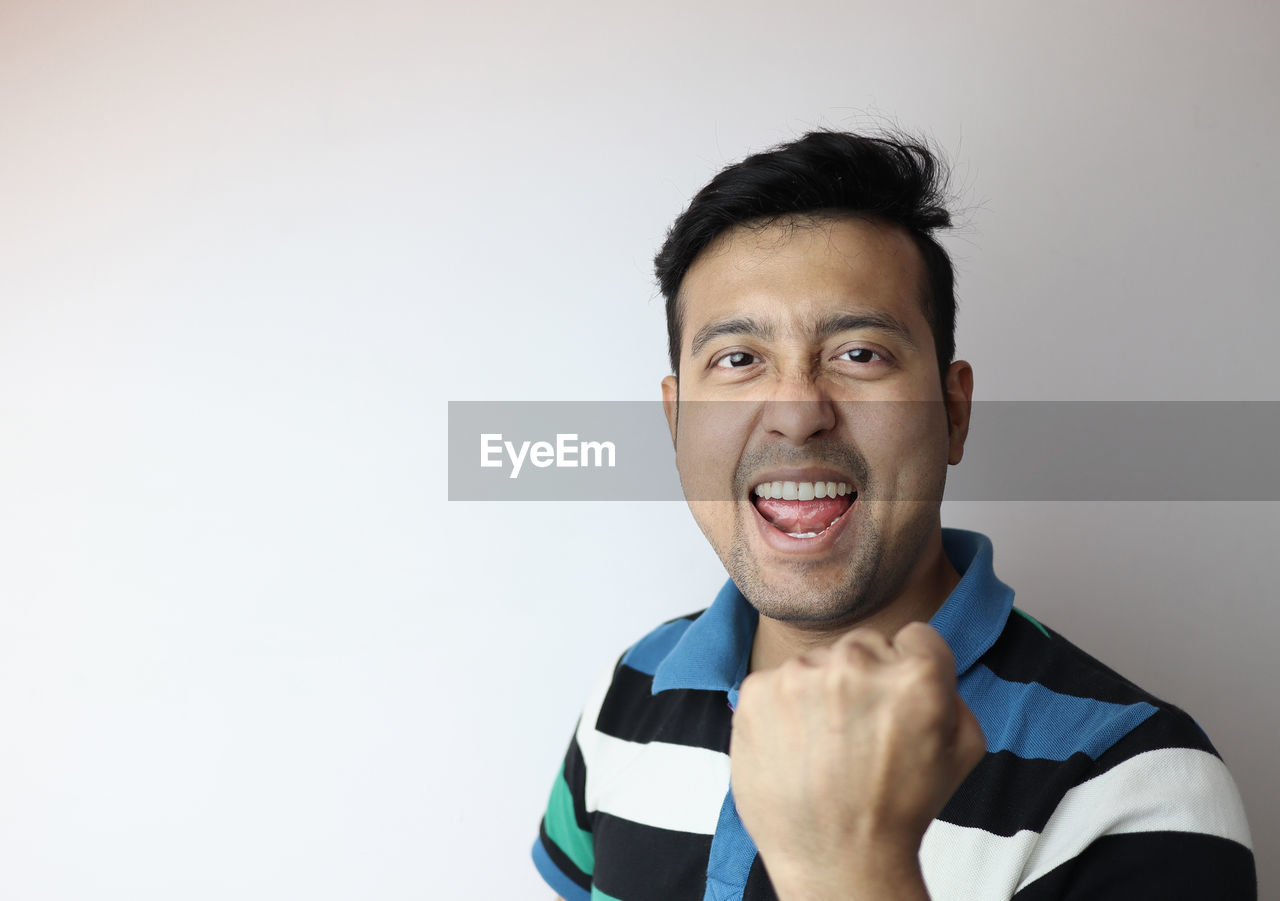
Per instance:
(844,457)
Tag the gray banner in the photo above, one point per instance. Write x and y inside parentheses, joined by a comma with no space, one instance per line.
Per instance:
(1016,450)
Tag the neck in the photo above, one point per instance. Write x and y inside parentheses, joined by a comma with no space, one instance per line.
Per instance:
(932,580)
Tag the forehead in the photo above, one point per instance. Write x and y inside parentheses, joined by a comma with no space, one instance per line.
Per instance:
(798,271)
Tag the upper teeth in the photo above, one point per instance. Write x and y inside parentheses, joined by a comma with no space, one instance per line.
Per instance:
(801,491)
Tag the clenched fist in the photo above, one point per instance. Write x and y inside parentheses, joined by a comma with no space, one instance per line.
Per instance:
(841,758)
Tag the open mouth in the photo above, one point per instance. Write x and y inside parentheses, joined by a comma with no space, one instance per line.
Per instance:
(803,509)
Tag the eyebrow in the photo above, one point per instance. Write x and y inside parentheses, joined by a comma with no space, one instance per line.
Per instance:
(740,326)
(831,325)
(850,322)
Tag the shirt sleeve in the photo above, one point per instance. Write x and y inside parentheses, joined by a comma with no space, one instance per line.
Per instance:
(564,853)
(1160,817)
(1170,866)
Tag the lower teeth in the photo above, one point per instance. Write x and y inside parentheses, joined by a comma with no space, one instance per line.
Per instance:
(805,534)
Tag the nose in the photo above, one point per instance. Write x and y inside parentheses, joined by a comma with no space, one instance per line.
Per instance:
(799,410)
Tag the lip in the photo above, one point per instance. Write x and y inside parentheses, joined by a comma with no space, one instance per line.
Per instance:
(780,541)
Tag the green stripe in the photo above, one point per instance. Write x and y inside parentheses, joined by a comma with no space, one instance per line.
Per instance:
(597,895)
(1031,619)
(562,828)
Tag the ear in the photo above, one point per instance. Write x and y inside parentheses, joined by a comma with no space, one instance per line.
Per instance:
(959,401)
(670,403)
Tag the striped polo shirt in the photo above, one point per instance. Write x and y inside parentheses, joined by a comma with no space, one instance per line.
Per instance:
(1090,788)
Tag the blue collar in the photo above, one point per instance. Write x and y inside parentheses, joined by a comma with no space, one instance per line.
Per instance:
(714,651)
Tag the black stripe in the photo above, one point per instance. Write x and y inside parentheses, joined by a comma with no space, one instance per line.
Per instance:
(1168,727)
(645,863)
(575,775)
(1023,654)
(558,857)
(1006,793)
(692,717)
(1168,866)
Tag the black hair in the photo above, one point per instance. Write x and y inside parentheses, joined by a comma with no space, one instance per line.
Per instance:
(826,174)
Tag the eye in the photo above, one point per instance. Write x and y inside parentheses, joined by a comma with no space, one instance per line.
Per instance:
(736,360)
(860,355)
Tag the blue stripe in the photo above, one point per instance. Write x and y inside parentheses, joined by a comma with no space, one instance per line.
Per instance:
(1035,722)
(559,882)
(732,853)
(648,652)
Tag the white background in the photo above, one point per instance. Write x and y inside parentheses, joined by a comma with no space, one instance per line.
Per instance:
(249,250)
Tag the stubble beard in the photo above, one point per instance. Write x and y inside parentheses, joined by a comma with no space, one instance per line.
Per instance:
(872,577)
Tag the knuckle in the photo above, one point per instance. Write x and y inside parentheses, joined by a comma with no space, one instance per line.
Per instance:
(748,692)
(930,668)
(864,636)
(919,630)
(855,658)
(922,639)
(855,635)
(836,680)
(793,679)
(863,648)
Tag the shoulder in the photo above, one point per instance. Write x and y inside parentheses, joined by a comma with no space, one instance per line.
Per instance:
(627,684)
(1087,776)
(626,707)
(1127,766)
(1068,702)
(623,701)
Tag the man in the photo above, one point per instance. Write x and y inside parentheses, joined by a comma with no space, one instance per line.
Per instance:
(861,713)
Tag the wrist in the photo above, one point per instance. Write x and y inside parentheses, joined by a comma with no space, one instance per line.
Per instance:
(869,875)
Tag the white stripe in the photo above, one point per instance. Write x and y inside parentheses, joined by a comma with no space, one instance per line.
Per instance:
(658,784)
(1174,789)
(655,783)
(968,864)
(1170,790)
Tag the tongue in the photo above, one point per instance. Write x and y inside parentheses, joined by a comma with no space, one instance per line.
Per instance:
(803,516)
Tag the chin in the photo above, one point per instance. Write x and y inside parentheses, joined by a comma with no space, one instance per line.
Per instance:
(804,594)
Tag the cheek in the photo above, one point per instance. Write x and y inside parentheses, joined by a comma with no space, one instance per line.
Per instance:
(717,521)
(907,450)
(708,449)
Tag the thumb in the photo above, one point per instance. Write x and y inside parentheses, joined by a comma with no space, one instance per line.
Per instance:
(923,640)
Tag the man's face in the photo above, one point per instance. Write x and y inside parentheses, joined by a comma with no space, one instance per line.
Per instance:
(806,358)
